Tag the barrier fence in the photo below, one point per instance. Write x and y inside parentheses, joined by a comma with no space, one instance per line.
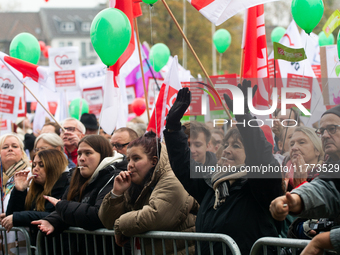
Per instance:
(14,233)
(279,244)
(80,241)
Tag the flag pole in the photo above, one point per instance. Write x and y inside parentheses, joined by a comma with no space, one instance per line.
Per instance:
(194,53)
(33,95)
(142,69)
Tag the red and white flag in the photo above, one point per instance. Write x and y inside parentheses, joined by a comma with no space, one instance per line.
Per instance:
(166,97)
(254,55)
(23,69)
(218,11)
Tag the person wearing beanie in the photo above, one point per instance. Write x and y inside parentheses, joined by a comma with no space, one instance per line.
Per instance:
(90,122)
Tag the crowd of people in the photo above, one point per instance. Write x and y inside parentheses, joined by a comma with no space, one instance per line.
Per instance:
(200,178)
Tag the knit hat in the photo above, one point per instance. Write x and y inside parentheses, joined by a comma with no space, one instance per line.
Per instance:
(89,120)
(335,110)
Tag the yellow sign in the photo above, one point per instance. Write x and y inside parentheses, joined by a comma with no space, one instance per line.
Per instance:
(332,23)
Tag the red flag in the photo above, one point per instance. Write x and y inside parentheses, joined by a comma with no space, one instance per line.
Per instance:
(166,97)
(137,10)
(125,6)
(254,53)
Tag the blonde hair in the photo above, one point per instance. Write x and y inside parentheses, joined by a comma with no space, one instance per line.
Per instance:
(52,139)
(310,132)
(21,145)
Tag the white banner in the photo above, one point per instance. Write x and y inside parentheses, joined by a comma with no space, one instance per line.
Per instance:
(94,97)
(64,67)
(10,92)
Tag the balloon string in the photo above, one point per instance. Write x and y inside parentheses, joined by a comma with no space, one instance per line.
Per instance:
(154,87)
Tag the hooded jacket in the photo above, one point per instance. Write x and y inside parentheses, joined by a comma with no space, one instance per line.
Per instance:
(84,214)
(162,205)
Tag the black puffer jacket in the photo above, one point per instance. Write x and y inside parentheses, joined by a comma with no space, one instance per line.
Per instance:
(23,218)
(244,215)
(84,214)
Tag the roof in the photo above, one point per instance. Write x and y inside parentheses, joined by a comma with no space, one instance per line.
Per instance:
(67,22)
(13,23)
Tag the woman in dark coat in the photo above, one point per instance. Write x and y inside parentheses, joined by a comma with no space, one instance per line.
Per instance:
(231,202)
(49,178)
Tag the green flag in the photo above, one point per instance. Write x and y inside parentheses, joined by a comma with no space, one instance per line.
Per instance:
(332,23)
(288,54)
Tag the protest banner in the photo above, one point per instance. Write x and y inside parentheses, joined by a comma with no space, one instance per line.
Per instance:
(64,66)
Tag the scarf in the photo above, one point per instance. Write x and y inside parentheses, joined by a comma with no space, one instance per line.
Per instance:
(221,182)
(8,176)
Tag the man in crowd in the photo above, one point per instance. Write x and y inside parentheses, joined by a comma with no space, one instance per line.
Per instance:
(121,138)
(198,140)
(74,131)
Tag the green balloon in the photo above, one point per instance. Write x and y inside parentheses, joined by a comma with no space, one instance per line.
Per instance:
(338,44)
(26,47)
(277,34)
(110,34)
(222,40)
(74,108)
(324,40)
(151,2)
(337,71)
(307,13)
(159,56)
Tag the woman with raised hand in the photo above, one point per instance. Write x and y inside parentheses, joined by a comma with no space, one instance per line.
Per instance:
(235,200)
(90,182)
(306,155)
(49,178)
(148,196)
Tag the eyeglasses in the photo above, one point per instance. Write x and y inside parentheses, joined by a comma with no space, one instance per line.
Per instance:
(40,149)
(118,145)
(331,129)
(69,129)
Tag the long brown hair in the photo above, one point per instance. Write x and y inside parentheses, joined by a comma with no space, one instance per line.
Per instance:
(55,163)
(78,182)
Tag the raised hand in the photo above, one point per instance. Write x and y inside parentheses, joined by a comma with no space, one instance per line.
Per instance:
(44,226)
(300,170)
(21,181)
(121,183)
(178,109)
(281,206)
(244,88)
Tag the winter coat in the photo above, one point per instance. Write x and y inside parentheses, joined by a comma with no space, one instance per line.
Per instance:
(244,215)
(162,205)
(23,217)
(321,198)
(84,214)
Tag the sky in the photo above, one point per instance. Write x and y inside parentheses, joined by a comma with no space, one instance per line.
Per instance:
(35,5)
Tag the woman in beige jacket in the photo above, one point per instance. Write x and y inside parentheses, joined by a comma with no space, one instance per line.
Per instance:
(148,196)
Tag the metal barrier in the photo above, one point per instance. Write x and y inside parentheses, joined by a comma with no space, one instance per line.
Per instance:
(279,243)
(16,230)
(150,237)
